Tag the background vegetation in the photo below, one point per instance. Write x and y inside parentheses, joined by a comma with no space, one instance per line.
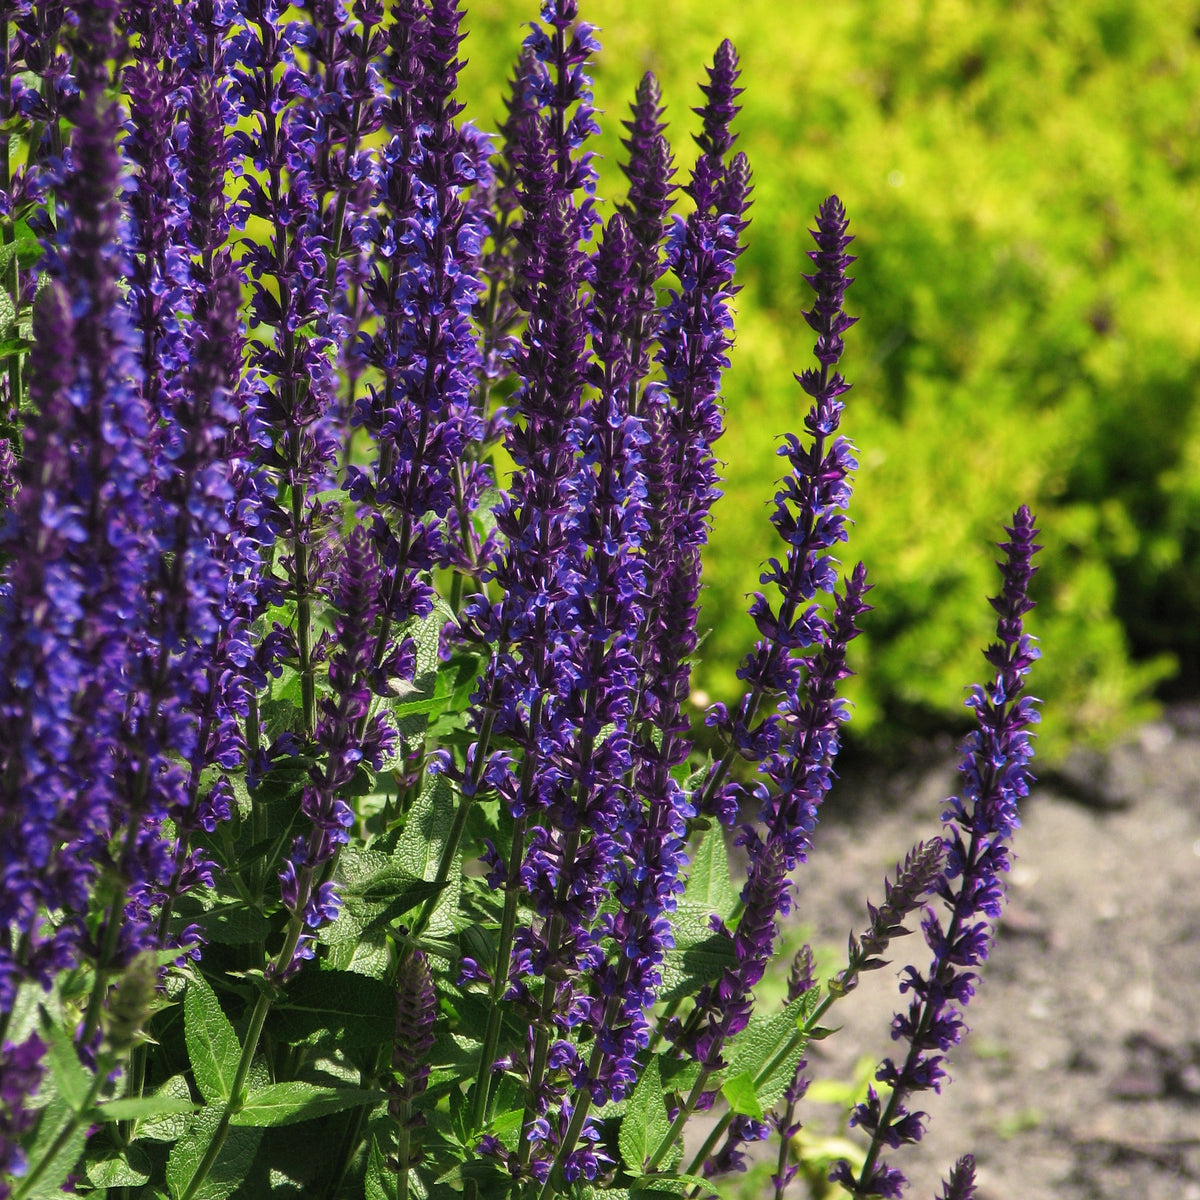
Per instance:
(1022,178)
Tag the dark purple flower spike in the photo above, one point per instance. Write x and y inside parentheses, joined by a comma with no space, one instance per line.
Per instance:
(979,823)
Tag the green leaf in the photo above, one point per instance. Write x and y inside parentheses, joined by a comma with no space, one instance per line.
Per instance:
(213,1047)
(676,1184)
(232,1165)
(646,1121)
(761,1042)
(132,1108)
(55,1121)
(72,1080)
(420,848)
(107,1166)
(699,955)
(381,1179)
(355,1010)
(235,924)
(709,884)
(739,1091)
(170,1125)
(288,1103)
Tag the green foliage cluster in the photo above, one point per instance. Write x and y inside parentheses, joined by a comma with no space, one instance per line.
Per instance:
(1023,178)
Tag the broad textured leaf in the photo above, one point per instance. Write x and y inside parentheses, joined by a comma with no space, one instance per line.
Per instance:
(169,1127)
(53,1122)
(670,1183)
(288,1103)
(72,1080)
(699,955)
(709,885)
(235,924)
(420,848)
(354,1009)
(213,1047)
(381,1179)
(233,1163)
(130,1108)
(646,1121)
(739,1091)
(107,1166)
(760,1043)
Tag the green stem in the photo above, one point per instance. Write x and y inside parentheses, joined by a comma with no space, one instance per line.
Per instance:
(236,1094)
(403,1150)
(508,925)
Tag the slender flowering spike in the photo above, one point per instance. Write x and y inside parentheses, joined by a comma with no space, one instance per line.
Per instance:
(79,559)
(808,516)
(961,1184)
(345,736)
(716,138)
(914,880)
(979,824)
(416,1011)
(274,89)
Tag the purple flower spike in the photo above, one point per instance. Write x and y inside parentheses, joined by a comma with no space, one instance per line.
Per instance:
(961,1184)
(344,738)
(980,822)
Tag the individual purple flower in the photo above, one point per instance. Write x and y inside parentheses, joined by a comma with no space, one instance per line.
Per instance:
(979,825)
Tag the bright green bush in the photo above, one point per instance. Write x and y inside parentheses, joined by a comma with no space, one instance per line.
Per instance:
(1023,180)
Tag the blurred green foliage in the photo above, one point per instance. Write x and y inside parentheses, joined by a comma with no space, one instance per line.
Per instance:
(1023,179)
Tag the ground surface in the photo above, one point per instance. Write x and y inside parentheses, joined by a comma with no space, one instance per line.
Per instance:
(1080,1079)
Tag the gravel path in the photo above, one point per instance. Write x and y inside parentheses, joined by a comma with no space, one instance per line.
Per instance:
(1080,1079)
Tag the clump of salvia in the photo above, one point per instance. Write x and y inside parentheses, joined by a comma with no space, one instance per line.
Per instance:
(356,471)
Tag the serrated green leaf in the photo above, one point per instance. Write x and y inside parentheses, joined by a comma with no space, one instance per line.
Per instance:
(232,1164)
(132,1108)
(421,844)
(646,1121)
(739,1091)
(709,885)
(380,1182)
(355,1010)
(55,1121)
(235,924)
(289,1103)
(764,1039)
(108,1166)
(170,1126)
(673,1183)
(699,955)
(72,1080)
(213,1047)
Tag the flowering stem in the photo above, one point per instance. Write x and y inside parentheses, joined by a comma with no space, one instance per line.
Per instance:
(508,926)
(236,1099)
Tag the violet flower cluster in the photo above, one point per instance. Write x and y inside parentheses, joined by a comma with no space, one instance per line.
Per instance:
(282,644)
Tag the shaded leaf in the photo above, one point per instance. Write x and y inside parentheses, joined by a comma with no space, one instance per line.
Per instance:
(288,1103)
(646,1121)
(213,1047)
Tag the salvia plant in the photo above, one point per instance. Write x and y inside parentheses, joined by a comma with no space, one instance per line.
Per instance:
(356,473)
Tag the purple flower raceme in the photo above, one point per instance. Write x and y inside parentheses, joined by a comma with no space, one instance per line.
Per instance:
(797,665)
(275,90)
(979,825)
(80,561)
(346,735)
